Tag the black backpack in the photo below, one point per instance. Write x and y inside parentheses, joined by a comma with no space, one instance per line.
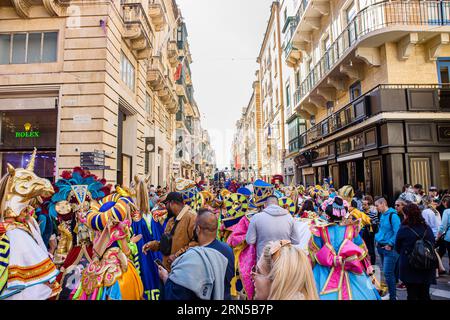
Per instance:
(423,256)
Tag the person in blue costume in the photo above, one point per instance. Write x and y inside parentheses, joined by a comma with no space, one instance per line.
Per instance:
(148,270)
(341,265)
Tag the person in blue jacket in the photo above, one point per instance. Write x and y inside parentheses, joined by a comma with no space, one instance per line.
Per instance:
(385,239)
(414,228)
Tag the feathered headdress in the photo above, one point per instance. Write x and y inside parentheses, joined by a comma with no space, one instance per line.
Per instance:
(66,188)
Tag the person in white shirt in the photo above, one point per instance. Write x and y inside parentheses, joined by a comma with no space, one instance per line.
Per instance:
(431,215)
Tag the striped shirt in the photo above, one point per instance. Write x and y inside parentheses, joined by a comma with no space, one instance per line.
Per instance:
(373,214)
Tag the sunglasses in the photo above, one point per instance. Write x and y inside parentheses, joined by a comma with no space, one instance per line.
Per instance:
(255,272)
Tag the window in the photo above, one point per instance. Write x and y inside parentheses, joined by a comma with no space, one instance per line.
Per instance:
(34,47)
(288,95)
(443,70)
(297,79)
(326,46)
(275,65)
(355,90)
(330,106)
(350,15)
(285,16)
(148,104)
(127,72)
(277,98)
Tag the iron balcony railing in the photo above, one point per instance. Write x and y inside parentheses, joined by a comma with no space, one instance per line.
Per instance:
(374,17)
(359,110)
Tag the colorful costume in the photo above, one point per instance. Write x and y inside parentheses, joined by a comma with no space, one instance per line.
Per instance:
(111,274)
(245,259)
(74,192)
(26,270)
(148,270)
(340,260)
(188,190)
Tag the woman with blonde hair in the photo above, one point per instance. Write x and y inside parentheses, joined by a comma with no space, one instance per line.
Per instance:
(284,272)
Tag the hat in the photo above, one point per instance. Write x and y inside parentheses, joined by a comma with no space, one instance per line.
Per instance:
(433,188)
(244,191)
(173,196)
(262,190)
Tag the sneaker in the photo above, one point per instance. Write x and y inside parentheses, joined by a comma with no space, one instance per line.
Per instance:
(401,287)
(385,297)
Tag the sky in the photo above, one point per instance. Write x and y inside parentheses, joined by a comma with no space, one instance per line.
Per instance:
(225,37)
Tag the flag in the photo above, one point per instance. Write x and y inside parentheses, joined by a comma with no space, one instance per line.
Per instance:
(177,74)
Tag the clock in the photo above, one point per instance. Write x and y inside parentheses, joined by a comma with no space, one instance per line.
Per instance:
(150,144)
(150,147)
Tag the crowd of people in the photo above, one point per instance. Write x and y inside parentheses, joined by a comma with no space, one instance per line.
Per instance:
(81,239)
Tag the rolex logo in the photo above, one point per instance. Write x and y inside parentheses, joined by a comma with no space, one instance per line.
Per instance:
(28,133)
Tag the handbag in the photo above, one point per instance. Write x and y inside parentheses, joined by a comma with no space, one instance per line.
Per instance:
(165,244)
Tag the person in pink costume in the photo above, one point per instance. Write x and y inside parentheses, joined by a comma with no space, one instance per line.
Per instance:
(245,259)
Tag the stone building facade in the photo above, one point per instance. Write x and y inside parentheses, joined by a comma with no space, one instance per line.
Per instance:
(90,75)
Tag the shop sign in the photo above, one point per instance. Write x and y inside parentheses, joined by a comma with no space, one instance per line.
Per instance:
(28,133)
(308,171)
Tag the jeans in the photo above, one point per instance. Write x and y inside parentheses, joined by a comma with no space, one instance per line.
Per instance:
(369,239)
(389,260)
(445,247)
(418,291)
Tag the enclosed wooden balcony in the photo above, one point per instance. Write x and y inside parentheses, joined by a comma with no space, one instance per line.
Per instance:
(137,29)
(156,13)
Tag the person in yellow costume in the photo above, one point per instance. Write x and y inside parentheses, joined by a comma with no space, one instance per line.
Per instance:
(359,215)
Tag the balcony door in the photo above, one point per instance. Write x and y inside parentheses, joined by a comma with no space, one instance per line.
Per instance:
(443,65)
(351,22)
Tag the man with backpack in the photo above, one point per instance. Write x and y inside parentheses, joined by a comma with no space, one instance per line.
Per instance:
(385,240)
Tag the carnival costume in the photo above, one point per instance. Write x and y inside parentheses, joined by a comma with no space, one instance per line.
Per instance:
(188,190)
(340,260)
(148,269)
(26,270)
(236,225)
(112,273)
(244,260)
(262,190)
(73,193)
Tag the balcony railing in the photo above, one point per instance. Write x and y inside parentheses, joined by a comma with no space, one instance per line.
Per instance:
(370,19)
(429,98)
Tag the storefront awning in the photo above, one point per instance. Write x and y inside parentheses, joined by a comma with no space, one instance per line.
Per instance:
(350,157)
